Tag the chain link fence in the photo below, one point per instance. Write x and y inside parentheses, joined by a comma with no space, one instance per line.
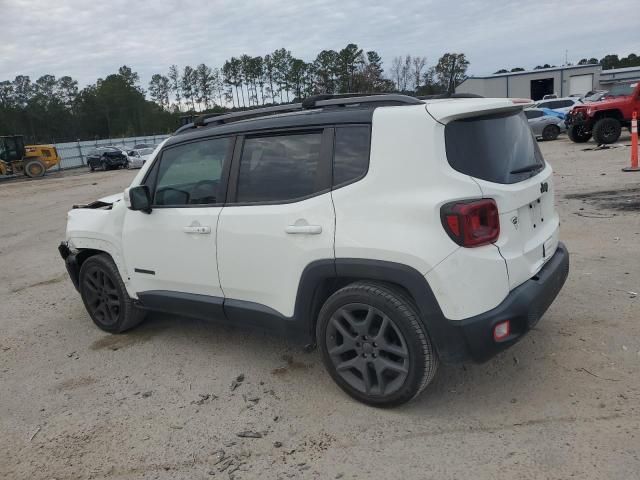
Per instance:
(74,154)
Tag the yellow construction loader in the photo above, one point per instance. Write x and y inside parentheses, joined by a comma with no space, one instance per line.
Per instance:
(32,160)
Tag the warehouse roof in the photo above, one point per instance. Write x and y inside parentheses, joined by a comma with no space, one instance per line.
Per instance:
(540,70)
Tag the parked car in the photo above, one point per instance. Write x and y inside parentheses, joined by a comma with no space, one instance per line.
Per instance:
(106,158)
(547,127)
(395,234)
(559,104)
(139,146)
(595,96)
(138,157)
(604,119)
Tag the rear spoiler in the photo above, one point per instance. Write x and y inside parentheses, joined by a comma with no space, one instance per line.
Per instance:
(445,112)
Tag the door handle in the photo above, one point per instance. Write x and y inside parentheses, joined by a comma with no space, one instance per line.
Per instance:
(304,229)
(198,229)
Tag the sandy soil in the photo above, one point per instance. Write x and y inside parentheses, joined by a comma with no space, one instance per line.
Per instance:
(158,402)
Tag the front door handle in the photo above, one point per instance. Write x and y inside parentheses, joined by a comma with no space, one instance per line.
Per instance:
(197,229)
(304,229)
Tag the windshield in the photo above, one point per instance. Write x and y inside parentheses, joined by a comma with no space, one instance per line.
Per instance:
(622,90)
(499,148)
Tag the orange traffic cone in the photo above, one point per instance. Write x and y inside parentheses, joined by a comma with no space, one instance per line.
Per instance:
(634,145)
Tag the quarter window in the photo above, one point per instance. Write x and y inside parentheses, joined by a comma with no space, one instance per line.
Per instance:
(189,174)
(351,154)
(280,168)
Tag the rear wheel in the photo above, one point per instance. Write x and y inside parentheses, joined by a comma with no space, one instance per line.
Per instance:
(105,296)
(34,168)
(578,134)
(550,132)
(607,130)
(374,345)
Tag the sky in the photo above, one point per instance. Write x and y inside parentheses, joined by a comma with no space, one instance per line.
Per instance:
(90,39)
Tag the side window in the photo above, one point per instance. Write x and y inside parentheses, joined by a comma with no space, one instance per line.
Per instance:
(351,153)
(189,174)
(532,114)
(280,168)
(564,103)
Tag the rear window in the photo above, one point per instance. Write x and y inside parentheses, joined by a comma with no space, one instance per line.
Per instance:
(499,148)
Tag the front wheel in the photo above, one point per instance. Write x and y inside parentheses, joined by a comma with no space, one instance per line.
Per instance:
(374,344)
(578,134)
(35,168)
(105,296)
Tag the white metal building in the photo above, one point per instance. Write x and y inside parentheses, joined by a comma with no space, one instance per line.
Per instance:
(534,84)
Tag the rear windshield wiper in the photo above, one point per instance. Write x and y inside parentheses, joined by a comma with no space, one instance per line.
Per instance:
(526,168)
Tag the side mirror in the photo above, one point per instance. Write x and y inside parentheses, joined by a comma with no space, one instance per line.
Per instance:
(140,198)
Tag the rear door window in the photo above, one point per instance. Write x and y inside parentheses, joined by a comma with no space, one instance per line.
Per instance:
(499,148)
(281,168)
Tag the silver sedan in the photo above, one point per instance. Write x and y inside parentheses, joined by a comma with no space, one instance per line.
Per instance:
(547,127)
(138,157)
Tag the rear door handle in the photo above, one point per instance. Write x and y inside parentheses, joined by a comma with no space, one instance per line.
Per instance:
(304,229)
(199,229)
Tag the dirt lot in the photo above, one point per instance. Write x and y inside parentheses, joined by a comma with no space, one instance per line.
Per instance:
(158,402)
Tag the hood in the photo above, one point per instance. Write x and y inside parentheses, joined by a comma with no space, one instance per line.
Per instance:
(111,199)
(605,103)
(104,203)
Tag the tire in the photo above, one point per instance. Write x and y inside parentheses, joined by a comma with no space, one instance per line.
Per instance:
(105,296)
(550,132)
(607,130)
(91,167)
(577,134)
(34,169)
(374,345)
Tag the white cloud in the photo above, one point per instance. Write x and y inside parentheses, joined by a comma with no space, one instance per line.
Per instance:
(88,40)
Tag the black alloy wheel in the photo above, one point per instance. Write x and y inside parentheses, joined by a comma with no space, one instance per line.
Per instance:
(374,344)
(367,349)
(101,295)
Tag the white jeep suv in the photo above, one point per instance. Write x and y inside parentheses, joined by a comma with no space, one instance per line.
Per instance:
(392,232)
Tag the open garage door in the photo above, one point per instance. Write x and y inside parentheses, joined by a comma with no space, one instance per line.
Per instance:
(580,84)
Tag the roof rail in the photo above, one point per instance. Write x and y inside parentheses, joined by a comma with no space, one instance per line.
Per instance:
(450,95)
(316,101)
(328,100)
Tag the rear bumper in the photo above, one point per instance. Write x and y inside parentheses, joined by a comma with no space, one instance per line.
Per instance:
(523,307)
(70,261)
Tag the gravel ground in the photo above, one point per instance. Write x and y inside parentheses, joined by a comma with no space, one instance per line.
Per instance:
(181,399)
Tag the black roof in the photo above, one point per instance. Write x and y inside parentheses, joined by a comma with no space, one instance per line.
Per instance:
(302,119)
(319,110)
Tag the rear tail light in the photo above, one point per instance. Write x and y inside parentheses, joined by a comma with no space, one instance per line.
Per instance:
(471,223)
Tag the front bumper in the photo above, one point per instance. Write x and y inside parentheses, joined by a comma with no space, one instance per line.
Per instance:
(523,307)
(577,118)
(71,262)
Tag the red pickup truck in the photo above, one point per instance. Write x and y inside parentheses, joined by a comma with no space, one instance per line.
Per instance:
(604,119)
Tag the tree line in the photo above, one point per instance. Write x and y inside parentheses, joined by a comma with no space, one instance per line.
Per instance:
(607,62)
(51,108)
(280,77)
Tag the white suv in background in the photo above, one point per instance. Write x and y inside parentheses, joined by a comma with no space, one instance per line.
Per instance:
(562,105)
(392,232)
